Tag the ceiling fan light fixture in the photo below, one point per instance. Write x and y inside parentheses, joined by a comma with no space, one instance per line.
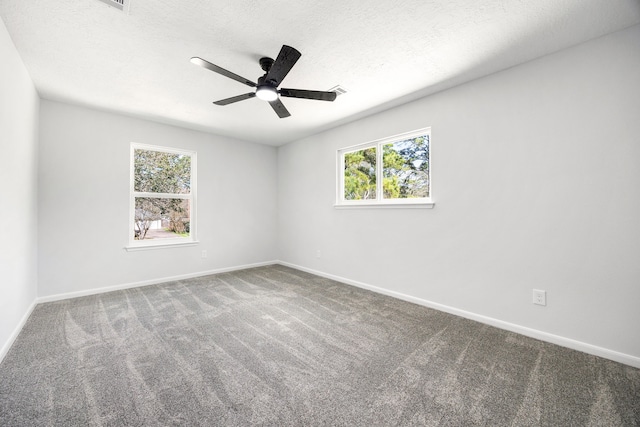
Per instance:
(267,93)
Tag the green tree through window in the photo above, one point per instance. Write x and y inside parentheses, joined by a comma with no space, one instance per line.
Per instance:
(406,168)
(393,169)
(162,193)
(360,174)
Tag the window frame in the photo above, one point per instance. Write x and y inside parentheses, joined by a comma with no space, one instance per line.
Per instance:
(379,201)
(191,240)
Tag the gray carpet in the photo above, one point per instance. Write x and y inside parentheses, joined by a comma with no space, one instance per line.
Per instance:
(273,346)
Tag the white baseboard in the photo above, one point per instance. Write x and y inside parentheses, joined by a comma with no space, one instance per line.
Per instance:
(95,291)
(7,345)
(532,333)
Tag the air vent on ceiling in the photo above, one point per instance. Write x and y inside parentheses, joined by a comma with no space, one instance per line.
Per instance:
(118,4)
(339,90)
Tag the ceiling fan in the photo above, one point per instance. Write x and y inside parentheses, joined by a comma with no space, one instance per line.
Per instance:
(267,86)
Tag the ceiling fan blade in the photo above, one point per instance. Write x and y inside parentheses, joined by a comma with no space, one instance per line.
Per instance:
(279,108)
(286,59)
(209,66)
(308,94)
(235,99)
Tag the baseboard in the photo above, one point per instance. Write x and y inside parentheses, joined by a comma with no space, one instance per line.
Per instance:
(7,345)
(532,333)
(156,281)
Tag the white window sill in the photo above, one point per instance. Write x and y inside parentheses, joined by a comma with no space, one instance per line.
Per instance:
(163,245)
(385,205)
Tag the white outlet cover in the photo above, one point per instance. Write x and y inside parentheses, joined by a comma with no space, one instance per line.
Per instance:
(539,297)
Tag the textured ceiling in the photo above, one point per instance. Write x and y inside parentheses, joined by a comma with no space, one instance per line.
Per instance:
(384,52)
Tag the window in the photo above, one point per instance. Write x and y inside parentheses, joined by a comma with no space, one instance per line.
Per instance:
(390,172)
(162,196)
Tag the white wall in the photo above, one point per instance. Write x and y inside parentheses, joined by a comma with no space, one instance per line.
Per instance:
(536,183)
(84,202)
(18,192)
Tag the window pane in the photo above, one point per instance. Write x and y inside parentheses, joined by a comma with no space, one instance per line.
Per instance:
(406,168)
(360,174)
(161,218)
(160,172)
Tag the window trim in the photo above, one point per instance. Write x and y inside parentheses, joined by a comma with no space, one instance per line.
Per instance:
(136,245)
(379,202)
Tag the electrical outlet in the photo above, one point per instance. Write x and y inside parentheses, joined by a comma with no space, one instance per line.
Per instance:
(539,297)
(318,253)
(204,254)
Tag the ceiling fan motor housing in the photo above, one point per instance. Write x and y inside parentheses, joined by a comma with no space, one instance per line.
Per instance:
(266,63)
